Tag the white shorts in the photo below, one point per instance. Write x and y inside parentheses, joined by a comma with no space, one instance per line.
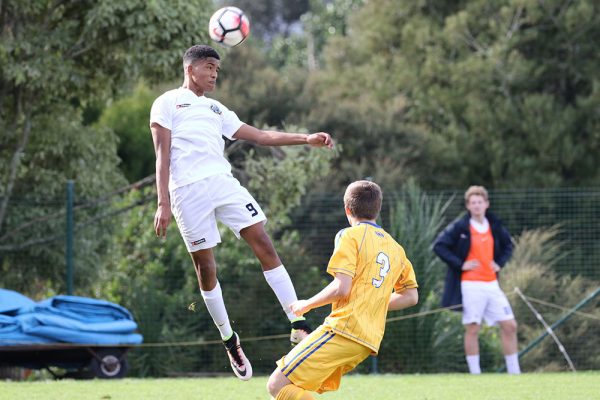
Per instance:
(198,206)
(484,301)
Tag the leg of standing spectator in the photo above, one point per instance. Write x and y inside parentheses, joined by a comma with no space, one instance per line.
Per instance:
(472,347)
(508,334)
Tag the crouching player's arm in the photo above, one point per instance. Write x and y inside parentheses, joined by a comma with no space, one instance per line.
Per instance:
(406,298)
(338,289)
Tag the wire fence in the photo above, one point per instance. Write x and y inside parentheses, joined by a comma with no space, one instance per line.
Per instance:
(117,257)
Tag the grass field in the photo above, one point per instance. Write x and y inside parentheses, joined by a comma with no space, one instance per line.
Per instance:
(547,386)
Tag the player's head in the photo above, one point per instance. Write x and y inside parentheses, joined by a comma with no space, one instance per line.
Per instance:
(198,52)
(476,200)
(201,66)
(362,200)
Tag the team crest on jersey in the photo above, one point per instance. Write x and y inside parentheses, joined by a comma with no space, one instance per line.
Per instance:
(182,105)
(216,109)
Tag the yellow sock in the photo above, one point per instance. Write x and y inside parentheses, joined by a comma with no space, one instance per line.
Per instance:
(291,392)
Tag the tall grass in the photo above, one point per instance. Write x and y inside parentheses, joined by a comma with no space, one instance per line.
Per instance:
(531,270)
(432,342)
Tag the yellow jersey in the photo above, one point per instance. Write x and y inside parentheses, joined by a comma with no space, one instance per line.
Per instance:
(377,265)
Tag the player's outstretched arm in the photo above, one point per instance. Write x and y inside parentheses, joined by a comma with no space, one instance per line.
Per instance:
(406,298)
(338,289)
(161,137)
(276,138)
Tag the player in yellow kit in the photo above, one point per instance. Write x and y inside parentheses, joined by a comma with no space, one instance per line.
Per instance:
(371,276)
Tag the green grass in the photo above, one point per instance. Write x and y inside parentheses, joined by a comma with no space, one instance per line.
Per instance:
(546,386)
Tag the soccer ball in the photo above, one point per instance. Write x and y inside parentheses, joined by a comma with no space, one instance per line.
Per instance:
(229,26)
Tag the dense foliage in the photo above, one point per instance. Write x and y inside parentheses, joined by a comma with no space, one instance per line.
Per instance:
(502,93)
(56,60)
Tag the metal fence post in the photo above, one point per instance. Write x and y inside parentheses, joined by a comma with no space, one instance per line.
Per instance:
(69,235)
(374,368)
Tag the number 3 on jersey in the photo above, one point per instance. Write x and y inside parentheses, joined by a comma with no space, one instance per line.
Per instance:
(384,261)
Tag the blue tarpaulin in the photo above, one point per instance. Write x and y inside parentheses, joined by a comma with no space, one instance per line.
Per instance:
(64,319)
(11,301)
(12,334)
(79,308)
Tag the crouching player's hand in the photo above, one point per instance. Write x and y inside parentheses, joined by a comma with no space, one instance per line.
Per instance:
(299,307)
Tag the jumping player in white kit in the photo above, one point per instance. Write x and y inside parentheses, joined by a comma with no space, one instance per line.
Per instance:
(195,185)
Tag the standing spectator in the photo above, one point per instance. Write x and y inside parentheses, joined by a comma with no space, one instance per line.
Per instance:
(475,247)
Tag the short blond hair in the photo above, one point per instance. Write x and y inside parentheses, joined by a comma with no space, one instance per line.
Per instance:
(476,191)
(363,199)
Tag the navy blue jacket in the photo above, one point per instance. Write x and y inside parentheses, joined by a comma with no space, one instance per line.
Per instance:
(452,246)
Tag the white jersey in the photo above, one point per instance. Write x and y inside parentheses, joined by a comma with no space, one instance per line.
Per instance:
(197,125)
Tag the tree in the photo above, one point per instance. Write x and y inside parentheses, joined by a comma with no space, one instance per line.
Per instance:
(460,92)
(271,17)
(32,243)
(128,118)
(259,93)
(324,21)
(320,22)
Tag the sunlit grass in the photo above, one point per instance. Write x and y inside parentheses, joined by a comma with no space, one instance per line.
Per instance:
(547,386)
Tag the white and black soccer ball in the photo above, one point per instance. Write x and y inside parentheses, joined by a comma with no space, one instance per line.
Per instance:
(229,26)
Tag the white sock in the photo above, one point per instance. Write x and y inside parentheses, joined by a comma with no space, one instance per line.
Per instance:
(512,363)
(280,282)
(473,363)
(216,308)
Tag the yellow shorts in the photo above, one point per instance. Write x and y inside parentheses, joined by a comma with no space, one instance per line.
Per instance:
(319,361)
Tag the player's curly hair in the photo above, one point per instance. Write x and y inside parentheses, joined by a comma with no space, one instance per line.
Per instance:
(198,52)
(363,199)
